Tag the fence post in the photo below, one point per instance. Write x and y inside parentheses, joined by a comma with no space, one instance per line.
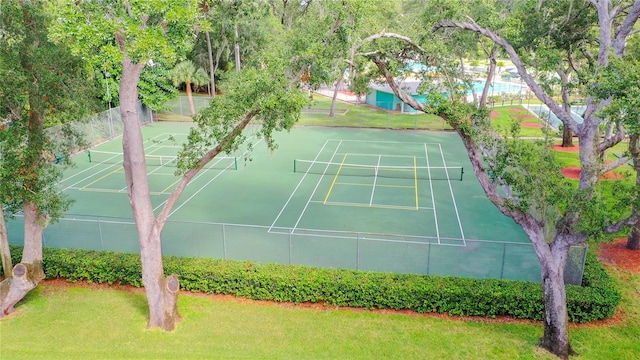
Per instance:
(504,256)
(290,246)
(100,232)
(358,251)
(224,243)
(428,256)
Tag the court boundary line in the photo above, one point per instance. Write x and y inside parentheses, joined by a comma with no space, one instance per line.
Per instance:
(201,173)
(433,198)
(315,188)
(296,189)
(453,199)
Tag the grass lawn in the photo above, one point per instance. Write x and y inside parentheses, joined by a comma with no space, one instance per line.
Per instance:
(352,115)
(72,322)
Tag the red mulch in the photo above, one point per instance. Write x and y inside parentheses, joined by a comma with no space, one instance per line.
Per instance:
(518,109)
(531,125)
(493,114)
(617,254)
(574,148)
(573,172)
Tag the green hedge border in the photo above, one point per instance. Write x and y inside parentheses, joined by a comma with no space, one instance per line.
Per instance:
(597,299)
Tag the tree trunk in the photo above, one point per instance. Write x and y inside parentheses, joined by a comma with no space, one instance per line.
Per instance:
(26,275)
(211,68)
(489,82)
(236,48)
(5,251)
(556,333)
(633,241)
(190,98)
(162,293)
(332,111)
(567,135)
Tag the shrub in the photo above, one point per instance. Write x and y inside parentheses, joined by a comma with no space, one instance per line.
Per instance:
(596,299)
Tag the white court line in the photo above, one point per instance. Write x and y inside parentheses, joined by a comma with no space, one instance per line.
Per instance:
(201,173)
(375,180)
(315,189)
(433,199)
(384,142)
(296,189)
(452,196)
(374,205)
(97,165)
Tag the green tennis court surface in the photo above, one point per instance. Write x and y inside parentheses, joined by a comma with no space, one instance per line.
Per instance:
(383,200)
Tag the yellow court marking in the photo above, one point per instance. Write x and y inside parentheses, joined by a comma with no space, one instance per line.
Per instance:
(114,191)
(395,207)
(344,158)
(377,185)
(415,177)
(102,178)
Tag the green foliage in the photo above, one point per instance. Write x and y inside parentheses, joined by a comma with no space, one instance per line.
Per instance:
(596,299)
(261,93)
(42,86)
(154,87)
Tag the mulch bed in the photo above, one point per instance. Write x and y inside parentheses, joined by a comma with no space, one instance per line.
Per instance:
(573,172)
(531,125)
(574,148)
(493,114)
(616,253)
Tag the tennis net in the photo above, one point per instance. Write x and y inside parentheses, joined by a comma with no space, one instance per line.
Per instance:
(109,157)
(384,171)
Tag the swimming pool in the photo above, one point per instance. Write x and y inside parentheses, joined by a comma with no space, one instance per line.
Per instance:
(498,87)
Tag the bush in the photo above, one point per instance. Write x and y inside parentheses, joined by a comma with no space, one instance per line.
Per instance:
(596,299)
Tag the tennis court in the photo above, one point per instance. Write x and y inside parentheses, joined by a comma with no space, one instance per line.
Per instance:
(367,199)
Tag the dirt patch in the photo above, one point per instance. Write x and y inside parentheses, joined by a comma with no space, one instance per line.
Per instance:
(493,114)
(518,109)
(574,148)
(531,125)
(573,172)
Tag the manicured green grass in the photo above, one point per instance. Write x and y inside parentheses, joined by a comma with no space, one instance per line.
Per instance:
(352,115)
(80,323)
(506,115)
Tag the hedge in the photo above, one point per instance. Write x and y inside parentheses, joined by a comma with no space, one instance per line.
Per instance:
(596,299)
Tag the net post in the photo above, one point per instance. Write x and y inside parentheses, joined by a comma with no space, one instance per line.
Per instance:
(294,165)
(235,163)
(89,155)
(461,173)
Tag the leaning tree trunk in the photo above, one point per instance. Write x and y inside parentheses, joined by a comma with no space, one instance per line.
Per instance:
(26,275)
(5,251)
(556,333)
(162,292)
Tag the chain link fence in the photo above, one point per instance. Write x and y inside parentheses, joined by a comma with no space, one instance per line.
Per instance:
(336,249)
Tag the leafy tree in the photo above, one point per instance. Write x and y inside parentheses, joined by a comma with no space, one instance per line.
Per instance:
(151,30)
(570,215)
(185,72)
(135,33)
(42,85)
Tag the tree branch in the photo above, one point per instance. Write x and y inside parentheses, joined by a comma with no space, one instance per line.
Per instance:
(619,40)
(204,160)
(565,117)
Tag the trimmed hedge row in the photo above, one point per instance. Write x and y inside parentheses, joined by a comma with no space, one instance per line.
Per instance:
(596,299)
